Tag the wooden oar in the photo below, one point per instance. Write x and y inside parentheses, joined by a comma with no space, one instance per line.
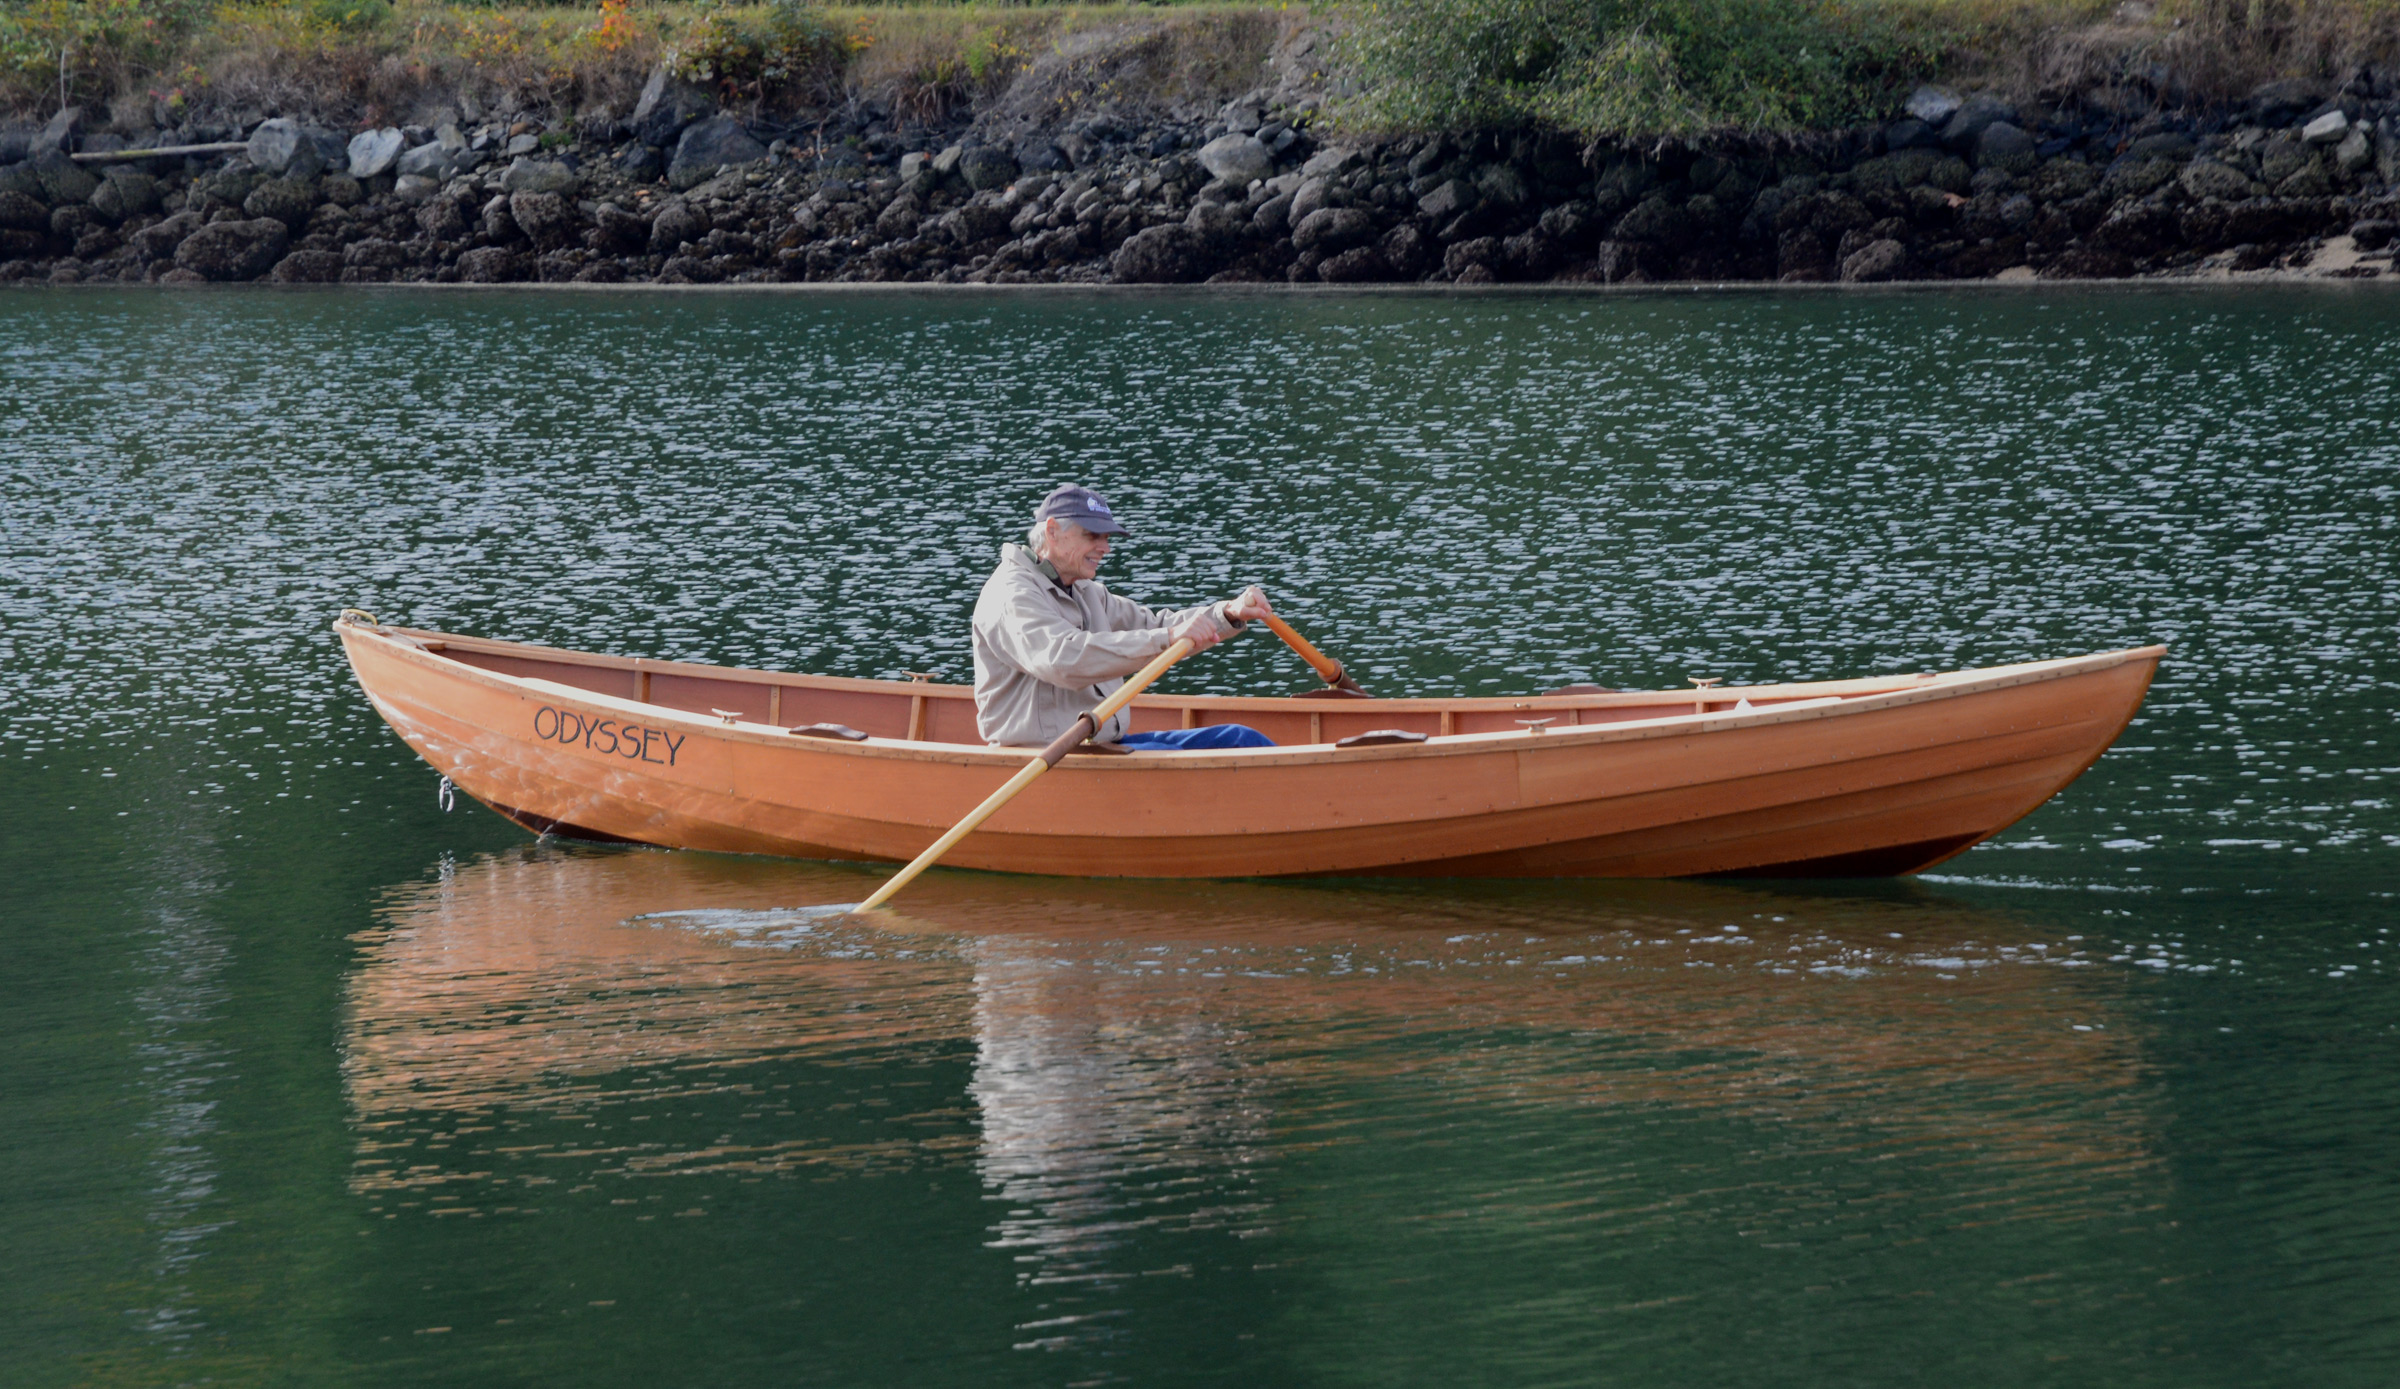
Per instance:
(1328,669)
(1084,727)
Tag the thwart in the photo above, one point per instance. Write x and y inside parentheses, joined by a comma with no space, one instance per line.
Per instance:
(1851,778)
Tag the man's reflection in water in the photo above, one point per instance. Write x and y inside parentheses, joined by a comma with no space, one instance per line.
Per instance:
(1113,1104)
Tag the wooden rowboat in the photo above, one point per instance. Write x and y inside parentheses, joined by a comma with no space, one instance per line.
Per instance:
(1846,778)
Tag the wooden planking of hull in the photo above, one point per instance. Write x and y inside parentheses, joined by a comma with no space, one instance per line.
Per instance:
(1837,778)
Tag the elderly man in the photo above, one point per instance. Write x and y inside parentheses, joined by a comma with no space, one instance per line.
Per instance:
(1051,641)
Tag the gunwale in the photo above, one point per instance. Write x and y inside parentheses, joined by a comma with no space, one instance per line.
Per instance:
(1855,696)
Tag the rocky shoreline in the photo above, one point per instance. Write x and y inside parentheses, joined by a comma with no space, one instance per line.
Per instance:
(2297,178)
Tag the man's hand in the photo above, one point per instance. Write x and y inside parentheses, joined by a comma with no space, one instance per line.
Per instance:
(1250,607)
(1200,629)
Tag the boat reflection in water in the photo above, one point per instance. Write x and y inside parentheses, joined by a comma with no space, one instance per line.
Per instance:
(1143,1056)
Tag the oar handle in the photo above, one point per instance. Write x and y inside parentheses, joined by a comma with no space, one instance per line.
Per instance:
(1083,728)
(1328,669)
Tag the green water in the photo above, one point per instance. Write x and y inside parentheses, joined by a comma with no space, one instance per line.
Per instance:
(304,1081)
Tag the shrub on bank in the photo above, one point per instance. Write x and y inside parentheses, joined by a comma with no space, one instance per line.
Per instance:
(1619,67)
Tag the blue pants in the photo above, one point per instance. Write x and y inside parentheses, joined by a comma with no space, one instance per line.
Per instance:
(1210,738)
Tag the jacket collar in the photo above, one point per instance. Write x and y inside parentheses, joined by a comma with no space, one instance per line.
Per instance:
(1043,567)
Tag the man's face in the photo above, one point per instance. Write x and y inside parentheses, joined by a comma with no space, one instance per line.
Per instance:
(1075,552)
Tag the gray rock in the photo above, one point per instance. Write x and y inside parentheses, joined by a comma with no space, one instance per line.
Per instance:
(1237,159)
(2206,178)
(71,222)
(287,200)
(125,192)
(2279,103)
(2063,179)
(1405,250)
(2327,129)
(1933,105)
(1978,111)
(1332,229)
(2005,145)
(1479,254)
(522,144)
(445,219)
(376,253)
(1167,254)
(1273,215)
(983,218)
(59,132)
(638,160)
(2138,228)
(2164,145)
(1654,220)
(433,160)
(2140,177)
(2355,152)
(673,224)
(667,105)
(914,164)
(2373,234)
(1219,225)
(547,219)
(1041,156)
(2310,180)
(899,218)
(1358,265)
(374,152)
(946,163)
(616,231)
(1502,184)
(709,145)
(1334,161)
(159,240)
(496,222)
(540,176)
(62,180)
(415,188)
(493,265)
(342,190)
(1449,200)
(1910,133)
(2283,156)
(1877,260)
(280,147)
(308,268)
(242,250)
(22,212)
(1311,195)
(985,166)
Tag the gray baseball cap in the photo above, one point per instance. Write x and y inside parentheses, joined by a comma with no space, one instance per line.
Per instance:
(1083,506)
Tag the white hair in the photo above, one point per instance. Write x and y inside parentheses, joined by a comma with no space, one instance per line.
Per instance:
(1037,537)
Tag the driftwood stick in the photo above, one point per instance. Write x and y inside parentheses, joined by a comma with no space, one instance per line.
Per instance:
(168,151)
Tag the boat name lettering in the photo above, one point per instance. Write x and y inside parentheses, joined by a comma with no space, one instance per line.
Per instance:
(632,741)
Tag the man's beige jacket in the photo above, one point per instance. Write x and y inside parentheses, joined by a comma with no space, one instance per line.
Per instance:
(1044,654)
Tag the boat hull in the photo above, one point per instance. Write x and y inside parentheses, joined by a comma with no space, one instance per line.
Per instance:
(1873,780)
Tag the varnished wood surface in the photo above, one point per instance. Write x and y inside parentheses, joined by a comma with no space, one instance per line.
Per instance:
(1858,777)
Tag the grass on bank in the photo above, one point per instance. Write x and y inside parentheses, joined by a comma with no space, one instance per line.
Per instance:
(1594,67)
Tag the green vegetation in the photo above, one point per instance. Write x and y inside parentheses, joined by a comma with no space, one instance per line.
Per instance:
(1618,67)
(1594,67)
